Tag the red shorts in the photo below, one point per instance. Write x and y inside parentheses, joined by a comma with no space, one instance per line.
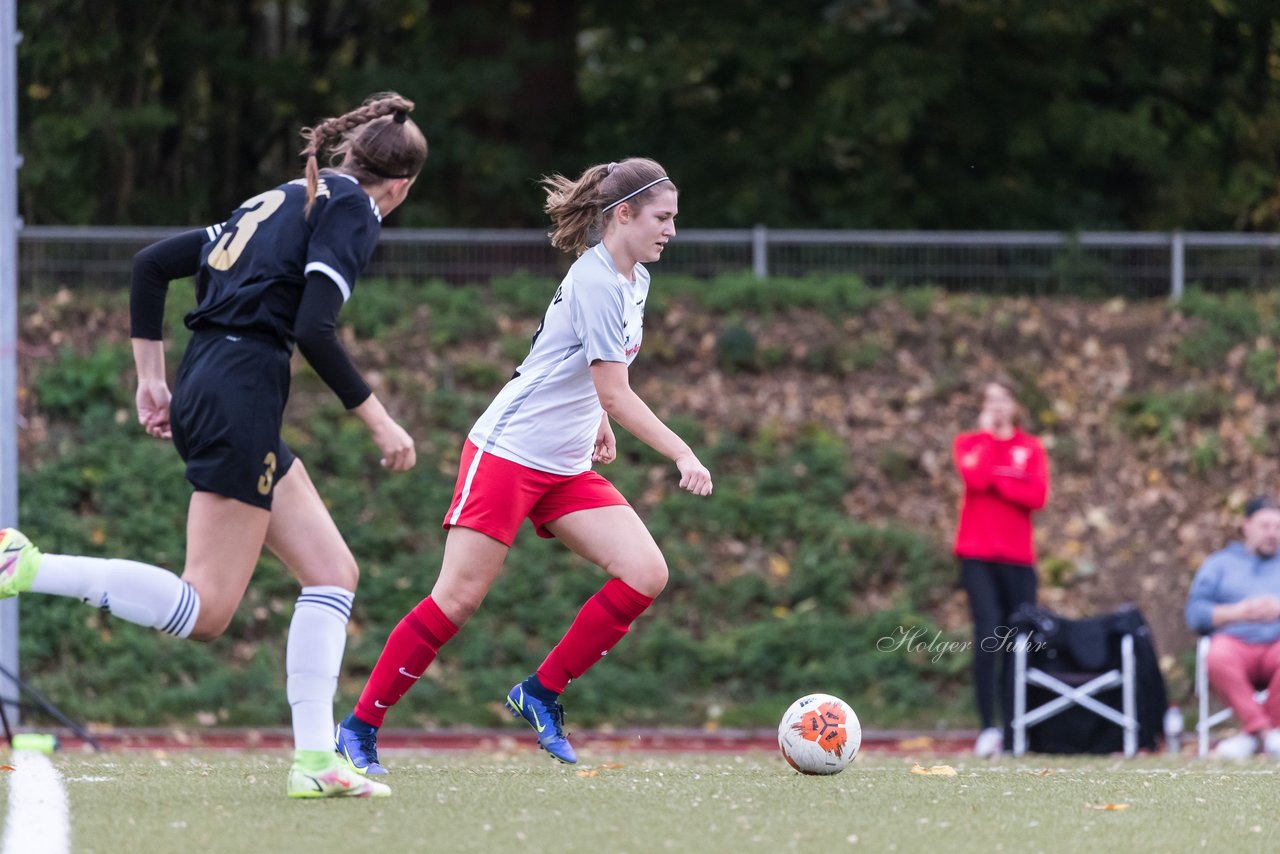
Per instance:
(494,495)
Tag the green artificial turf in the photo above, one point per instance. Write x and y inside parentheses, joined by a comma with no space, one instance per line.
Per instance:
(629,802)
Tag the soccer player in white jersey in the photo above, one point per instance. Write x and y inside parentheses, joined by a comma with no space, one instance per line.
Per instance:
(530,455)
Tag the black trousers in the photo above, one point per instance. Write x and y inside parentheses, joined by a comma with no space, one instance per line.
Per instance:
(995,592)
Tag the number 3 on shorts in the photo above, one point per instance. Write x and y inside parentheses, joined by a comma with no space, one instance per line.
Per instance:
(268,476)
(233,241)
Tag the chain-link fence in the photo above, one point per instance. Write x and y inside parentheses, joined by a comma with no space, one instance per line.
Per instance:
(1096,264)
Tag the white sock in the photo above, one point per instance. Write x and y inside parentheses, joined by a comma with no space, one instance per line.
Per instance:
(137,592)
(313,657)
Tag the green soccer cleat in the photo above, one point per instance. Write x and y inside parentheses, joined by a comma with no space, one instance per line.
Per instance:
(336,779)
(19,561)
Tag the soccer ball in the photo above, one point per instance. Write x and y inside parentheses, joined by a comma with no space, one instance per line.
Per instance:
(819,734)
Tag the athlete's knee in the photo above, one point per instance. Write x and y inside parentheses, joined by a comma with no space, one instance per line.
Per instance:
(210,626)
(458,604)
(338,568)
(214,614)
(647,577)
(344,573)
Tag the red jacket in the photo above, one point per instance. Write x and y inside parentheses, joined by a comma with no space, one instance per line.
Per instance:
(1005,481)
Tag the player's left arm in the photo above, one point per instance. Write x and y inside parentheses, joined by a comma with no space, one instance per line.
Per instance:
(316,330)
(597,312)
(620,402)
(341,245)
(1029,488)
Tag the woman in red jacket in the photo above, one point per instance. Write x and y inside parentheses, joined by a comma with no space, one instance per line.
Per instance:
(1006,479)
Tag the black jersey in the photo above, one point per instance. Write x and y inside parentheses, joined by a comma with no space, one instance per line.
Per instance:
(254,266)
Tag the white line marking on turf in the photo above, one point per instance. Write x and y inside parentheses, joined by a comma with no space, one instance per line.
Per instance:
(38,821)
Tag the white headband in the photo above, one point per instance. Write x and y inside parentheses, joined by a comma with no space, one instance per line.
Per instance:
(634,193)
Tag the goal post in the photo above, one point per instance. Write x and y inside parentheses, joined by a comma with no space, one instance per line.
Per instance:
(9,225)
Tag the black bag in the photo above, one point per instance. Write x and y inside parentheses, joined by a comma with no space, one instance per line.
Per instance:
(1075,651)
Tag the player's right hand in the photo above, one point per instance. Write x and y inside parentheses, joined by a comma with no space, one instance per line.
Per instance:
(396,444)
(153,407)
(694,476)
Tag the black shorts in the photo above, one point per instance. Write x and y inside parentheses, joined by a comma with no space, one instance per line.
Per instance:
(226,412)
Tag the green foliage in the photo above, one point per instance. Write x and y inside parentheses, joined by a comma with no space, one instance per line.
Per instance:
(457,316)
(1262,370)
(918,302)
(1057,571)
(863,354)
(736,350)
(1206,453)
(85,387)
(745,294)
(525,294)
(383,305)
(481,374)
(896,464)
(1165,414)
(1225,321)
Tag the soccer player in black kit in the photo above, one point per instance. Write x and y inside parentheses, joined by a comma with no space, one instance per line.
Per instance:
(275,274)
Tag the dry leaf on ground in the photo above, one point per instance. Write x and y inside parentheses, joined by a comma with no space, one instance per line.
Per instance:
(936,770)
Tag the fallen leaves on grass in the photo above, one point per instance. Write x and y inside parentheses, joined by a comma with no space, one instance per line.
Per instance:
(1107,807)
(603,766)
(6,767)
(936,770)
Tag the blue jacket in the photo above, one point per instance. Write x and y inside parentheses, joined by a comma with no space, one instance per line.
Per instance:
(1229,576)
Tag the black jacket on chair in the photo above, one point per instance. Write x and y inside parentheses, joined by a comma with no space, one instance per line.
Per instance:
(1075,651)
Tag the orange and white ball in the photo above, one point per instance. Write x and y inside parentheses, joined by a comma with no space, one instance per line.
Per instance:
(819,734)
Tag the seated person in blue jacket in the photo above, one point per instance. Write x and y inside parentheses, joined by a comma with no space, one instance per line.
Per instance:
(1235,598)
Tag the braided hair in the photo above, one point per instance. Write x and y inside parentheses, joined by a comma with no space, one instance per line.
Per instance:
(377,141)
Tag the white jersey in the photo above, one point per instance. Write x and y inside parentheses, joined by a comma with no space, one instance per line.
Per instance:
(547,416)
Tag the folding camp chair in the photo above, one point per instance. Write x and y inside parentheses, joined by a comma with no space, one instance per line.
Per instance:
(1079,694)
(1209,719)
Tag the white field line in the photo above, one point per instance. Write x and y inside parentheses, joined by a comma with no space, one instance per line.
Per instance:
(38,821)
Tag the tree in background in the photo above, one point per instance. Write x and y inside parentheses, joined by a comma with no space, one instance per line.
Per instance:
(995,114)
(170,111)
(820,113)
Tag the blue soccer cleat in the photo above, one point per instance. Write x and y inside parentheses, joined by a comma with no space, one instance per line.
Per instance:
(547,720)
(358,748)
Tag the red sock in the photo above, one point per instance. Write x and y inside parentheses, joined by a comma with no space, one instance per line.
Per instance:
(412,646)
(601,623)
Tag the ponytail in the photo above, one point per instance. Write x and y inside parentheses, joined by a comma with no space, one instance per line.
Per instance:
(578,207)
(575,208)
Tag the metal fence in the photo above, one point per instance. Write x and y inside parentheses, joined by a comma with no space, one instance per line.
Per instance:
(1098,264)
